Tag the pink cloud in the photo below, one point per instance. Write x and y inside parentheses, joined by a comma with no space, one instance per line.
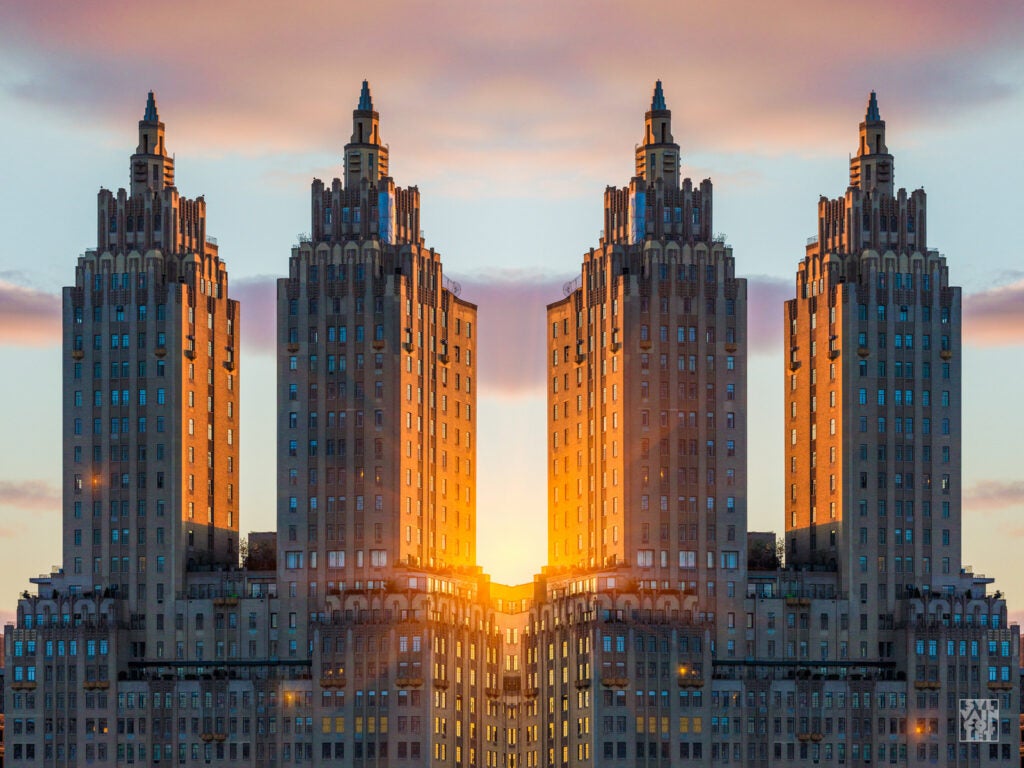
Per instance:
(530,94)
(510,324)
(995,317)
(30,495)
(28,317)
(512,320)
(994,495)
(765,321)
(257,297)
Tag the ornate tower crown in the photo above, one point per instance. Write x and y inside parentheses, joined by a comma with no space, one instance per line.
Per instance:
(658,156)
(365,156)
(152,168)
(871,168)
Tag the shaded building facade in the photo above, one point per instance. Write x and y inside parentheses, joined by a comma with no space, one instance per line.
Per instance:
(873,393)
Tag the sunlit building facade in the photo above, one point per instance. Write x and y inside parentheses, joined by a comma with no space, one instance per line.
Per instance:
(376,388)
(150,394)
(364,633)
(647,373)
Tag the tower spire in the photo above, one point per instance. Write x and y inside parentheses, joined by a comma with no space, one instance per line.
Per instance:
(872,167)
(658,156)
(872,115)
(151,115)
(366,156)
(658,100)
(152,165)
(365,100)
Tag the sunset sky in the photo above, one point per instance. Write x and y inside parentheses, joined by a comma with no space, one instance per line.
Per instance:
(511,118)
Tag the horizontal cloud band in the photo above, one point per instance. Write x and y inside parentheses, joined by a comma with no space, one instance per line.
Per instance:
(512,320)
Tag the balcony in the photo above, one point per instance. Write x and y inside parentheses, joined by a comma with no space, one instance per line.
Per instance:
(615,682)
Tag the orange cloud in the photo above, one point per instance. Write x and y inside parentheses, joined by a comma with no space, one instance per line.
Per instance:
(994,495)
(29,495)
(1016,618)
(530,94)
(28,317)
(995,317)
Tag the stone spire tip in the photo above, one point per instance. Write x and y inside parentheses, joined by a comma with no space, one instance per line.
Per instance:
(365,101)
(151,114)
(658,101)
(873,114)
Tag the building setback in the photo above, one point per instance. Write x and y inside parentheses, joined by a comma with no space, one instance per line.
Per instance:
(364,633)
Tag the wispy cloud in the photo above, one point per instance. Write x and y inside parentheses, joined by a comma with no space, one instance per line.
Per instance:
(512,313)
(28,317)
(991,318)
(29,495)
(994,495)
(995,317)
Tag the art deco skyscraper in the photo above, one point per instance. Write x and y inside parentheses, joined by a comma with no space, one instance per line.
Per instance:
(647,396)
(378,641)
(376,402)
(150,393)
(873,392)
